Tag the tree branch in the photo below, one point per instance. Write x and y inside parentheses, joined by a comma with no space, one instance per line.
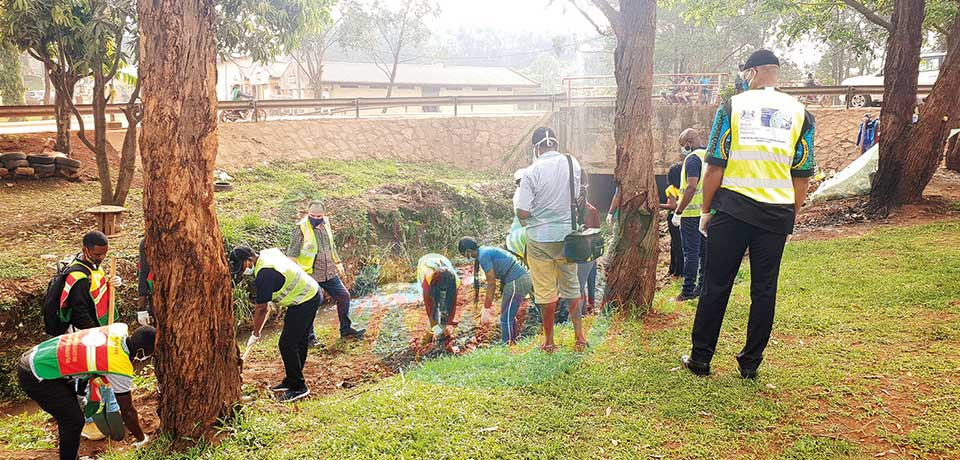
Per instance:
(586,15)
(118,52)
(81,133)
(610,12)
(871,15)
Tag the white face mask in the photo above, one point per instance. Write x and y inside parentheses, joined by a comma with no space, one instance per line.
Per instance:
(248,271)
(685,150)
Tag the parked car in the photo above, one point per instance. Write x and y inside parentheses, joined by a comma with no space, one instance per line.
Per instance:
(34,97)
(929,70)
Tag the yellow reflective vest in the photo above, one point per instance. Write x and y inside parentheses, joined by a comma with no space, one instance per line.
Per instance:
(765,127)
(298,286)
(429,264)
(693,208)
(308,251)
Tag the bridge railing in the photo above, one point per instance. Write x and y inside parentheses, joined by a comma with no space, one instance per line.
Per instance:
(355,106)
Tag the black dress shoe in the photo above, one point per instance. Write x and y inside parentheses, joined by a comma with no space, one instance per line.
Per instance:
(747,374)
(696,367)
(353,334)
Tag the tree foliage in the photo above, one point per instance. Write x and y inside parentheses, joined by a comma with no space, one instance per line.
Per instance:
(265,29)
(384,33)
(11,79)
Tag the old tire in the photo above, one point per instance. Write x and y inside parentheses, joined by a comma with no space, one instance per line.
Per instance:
(68,162)
(25,172)
(10,156)
(73,175)
(222,186)
(14,164)
(4,172)
(45,169)
(40,159)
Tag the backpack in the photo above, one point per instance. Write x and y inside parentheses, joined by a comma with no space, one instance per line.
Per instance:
(50,308)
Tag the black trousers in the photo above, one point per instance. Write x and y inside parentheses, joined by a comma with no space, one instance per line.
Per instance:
(727,241)
(676,248)
(57,398)
(294,340)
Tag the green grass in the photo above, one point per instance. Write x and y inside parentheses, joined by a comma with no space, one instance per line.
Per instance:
(864,358)
(25,432)
(18,268)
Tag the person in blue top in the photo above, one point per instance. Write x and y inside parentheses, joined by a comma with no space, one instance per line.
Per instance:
(515,282)
(867,135)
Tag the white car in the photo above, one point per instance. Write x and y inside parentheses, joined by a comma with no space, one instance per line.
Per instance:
(929,70)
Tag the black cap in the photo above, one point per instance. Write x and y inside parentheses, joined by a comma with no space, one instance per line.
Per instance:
(237,257)
(759,58)
(544,135)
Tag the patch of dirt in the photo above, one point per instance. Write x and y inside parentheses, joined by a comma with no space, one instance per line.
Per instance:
(848,217)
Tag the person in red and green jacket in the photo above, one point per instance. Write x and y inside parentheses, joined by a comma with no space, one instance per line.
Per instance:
(105,354)
(85,299)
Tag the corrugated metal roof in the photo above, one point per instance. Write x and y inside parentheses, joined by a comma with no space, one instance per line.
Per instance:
(407,74)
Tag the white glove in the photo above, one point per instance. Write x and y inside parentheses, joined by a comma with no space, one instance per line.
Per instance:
(116,281)
(609,219)
(437,331)
(140,444)
(676,219)
(704,220)
(143,318)
(253,339)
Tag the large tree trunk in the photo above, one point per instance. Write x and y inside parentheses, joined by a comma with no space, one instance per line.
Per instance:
(909,159)
(632,277)
(198,363)
(128,161)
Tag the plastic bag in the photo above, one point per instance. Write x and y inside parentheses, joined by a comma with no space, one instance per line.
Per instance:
(854,180)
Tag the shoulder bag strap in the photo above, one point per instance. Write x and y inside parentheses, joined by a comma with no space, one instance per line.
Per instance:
(573,196)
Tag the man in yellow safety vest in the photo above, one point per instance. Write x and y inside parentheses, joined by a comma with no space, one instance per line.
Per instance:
(312,247)
(102,353)
(759,163)
(687,214)
(280,280)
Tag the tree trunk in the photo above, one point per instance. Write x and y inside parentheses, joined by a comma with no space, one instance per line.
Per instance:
(128,161)
(46,85)
(393,77)
(64,97)
(198,362)
(953,154)
(632,278)
(910,157)
(100,134)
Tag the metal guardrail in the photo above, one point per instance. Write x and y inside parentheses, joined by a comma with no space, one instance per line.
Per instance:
(356,105)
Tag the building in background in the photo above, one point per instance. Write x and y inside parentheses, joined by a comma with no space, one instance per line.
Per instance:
(284,79)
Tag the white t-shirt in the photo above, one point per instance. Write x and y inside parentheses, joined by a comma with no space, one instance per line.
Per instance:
(545,193)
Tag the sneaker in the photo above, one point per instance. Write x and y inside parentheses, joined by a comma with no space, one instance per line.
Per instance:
(293,395)
(696,367)
(685,297)
(280,388)
(353,334)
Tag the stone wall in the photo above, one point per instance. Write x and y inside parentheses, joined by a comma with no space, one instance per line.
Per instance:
(496,142)
(474,142)
(588,133)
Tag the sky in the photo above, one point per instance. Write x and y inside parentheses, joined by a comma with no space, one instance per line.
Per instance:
(524,15)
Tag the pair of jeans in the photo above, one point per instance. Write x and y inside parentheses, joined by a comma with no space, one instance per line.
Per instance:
(58,398)
(334,288)
(587,273)
(512,297)
(693,251)
(727,241)
(294,340)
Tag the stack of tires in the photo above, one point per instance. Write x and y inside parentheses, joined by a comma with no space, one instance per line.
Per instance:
(18,165)
(42,164)
(68,167)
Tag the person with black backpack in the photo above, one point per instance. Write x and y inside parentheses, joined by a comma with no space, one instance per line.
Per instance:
(79,294)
